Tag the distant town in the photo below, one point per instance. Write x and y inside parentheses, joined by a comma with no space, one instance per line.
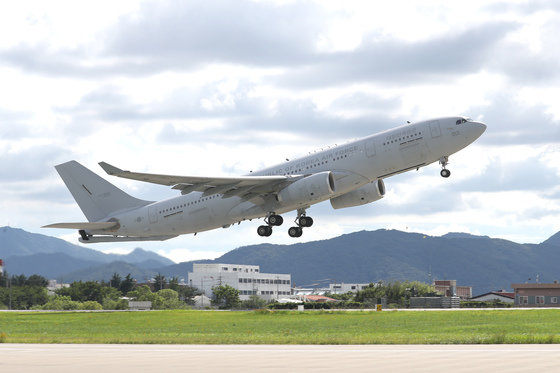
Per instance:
(235,286)
(362,270)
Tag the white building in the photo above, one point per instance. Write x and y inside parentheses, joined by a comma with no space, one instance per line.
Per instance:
(342,288)
(248,279)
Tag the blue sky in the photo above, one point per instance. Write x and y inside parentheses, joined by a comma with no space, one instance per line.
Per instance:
(221,88)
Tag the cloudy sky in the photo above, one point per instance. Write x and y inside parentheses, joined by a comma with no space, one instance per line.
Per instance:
(223,87)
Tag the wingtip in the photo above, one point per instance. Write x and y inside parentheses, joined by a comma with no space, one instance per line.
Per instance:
(110,169)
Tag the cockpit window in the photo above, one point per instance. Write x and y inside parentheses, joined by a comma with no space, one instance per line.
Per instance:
(463,120)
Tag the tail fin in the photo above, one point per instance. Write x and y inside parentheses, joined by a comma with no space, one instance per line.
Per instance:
(97,197)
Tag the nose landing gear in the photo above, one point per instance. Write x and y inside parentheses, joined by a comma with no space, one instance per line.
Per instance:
(444,172)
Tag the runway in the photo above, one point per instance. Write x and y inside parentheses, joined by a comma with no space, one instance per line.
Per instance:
(278,358)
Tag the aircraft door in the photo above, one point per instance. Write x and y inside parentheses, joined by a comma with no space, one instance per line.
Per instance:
(152,211)
(370,148)
(435,129)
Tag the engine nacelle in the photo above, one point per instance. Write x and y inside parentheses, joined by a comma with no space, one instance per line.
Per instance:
(368,193)
(311,188)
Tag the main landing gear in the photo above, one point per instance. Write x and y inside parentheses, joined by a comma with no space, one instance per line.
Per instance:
(302,221)
(444,172)
(271,220)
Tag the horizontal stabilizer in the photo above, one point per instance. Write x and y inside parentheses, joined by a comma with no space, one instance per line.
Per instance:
(110,169)
(86,226)
(96,239)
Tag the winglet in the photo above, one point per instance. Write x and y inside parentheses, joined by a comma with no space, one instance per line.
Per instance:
(111,170)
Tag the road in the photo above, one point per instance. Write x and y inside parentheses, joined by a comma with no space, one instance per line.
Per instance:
(277,358)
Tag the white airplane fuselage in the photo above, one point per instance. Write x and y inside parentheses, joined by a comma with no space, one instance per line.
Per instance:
(352,165)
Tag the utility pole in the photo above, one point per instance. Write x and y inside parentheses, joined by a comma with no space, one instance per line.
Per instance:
(10,291)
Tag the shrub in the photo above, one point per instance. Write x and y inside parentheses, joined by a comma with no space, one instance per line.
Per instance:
(61,302)
(111,304)
(90,305)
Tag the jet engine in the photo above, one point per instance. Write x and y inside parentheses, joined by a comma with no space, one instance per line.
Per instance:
(311,188)
(365,194)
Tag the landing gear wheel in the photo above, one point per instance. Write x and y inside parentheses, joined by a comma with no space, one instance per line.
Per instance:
(445,173)
(305,221)
(275,220)
(295,232)
(264,230)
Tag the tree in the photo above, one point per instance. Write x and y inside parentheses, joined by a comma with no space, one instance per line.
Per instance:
(4,280)
(90,305)
(143,293)
(23,293)
(115,281)
(112,299)
(23,297)
(18,280)
(370,294)
(254,302)
(345,296)
(127,284)
(84,291)
(60,302)
(225,297)
(171,299)
(36,280)
(187,293)
(174,283)
(160,282)
(396,292)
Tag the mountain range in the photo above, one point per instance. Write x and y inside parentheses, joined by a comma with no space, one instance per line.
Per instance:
(30,253)
(361,257)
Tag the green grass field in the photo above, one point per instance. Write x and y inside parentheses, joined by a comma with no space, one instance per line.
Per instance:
(284,327)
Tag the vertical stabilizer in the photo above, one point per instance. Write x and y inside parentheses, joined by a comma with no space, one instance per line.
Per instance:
(97,197)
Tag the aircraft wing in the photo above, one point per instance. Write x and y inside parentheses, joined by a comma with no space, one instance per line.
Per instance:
(84,225)
(243,186)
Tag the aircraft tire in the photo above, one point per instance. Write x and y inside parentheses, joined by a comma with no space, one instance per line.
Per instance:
(264,231)
(445,173)
(275,220)
(295,232)
(305,221)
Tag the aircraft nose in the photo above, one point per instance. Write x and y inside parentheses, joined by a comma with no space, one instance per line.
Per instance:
(479,127)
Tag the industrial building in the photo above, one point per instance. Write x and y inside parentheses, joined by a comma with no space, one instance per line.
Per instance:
(247,279)
(449,288)
(537,295)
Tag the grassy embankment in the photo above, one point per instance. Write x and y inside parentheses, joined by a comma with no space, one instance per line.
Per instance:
(284,327)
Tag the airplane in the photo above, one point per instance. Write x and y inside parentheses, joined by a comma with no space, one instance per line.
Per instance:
(348,175)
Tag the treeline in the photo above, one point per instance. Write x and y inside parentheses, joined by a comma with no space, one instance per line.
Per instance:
(393,294)
(24,293)
(21,292)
